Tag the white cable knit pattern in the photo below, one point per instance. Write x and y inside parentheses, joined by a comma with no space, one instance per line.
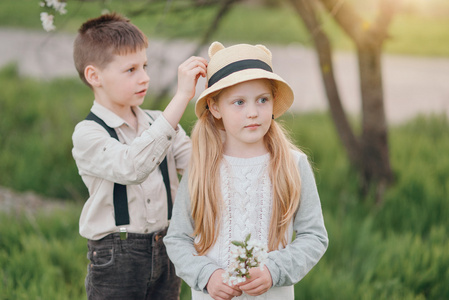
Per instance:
(247,204)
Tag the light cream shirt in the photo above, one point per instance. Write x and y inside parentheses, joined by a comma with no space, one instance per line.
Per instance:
(132,161)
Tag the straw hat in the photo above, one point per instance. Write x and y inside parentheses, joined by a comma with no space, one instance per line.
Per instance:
(239,63)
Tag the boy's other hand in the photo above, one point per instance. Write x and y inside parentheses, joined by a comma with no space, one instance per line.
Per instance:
(259,283)
(219,290)
(188,74)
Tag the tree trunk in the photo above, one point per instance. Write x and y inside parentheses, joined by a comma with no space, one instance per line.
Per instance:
(308,14)
(369,154)
(374,139)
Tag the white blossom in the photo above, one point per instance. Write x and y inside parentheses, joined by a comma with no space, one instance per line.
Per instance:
(244,256)
(47,21)
(57,5)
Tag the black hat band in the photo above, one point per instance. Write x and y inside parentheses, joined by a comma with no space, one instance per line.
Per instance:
(238,66)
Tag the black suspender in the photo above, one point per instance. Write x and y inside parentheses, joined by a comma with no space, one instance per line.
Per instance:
(120,198)
(164,170)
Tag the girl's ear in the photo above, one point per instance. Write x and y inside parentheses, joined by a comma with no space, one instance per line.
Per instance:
(213,108)
(92,76)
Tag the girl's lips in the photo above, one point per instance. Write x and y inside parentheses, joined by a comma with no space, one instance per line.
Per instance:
(252,126)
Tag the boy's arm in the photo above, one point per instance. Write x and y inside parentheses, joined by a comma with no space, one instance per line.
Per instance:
(289,265)
(193,269)
(188,74)
(182,148)
(97,154)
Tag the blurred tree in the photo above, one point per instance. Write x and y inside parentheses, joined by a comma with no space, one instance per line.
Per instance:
(368,153)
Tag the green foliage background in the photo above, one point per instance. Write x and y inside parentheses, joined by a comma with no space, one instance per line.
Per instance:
(397,250)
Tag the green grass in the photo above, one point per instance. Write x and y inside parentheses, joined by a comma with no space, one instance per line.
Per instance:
(397,250)
(412,33)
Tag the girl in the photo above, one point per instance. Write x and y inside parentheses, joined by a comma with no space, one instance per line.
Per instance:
(245,177)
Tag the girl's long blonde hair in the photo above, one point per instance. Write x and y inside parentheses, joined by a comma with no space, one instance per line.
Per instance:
(205,189)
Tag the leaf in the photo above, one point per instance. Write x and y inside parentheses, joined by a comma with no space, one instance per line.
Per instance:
(238,244)
(248,237)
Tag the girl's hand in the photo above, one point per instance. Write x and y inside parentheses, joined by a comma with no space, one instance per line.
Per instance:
(259,283)
(219,290)
(188,74)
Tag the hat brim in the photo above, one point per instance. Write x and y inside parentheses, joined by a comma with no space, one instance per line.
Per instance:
(283,98)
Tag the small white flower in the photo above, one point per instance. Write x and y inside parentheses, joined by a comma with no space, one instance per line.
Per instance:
(47,21)
(244,256)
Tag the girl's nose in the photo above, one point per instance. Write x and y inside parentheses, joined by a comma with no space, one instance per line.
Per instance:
(252,111)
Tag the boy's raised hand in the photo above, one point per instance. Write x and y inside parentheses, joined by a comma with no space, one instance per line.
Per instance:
(219,290)
(259,283)
(188,74)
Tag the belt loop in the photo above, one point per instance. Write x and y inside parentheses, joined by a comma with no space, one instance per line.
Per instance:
(123,233)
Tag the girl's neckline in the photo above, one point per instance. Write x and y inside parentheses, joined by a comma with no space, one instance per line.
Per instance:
(233,160)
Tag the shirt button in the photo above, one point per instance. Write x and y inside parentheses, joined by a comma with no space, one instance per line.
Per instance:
(169,137)
(146,230)
(148,201)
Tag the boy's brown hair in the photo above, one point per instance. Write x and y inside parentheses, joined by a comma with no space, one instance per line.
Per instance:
(101,38)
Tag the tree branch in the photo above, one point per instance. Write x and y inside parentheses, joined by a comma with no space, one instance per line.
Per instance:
(225,7)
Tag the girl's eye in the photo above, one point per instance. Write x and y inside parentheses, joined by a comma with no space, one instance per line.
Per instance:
(130,70)
(263,100)
(238,102)
(145,67)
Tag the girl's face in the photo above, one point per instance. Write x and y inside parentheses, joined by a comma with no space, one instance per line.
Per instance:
(246,111)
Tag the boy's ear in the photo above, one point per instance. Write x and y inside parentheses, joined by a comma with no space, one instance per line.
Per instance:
(92,75)
(213,107)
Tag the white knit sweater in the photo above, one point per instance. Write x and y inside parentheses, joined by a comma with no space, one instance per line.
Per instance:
(247,194)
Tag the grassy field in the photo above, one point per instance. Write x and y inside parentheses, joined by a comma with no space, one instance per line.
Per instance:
(411,32)
(397,250)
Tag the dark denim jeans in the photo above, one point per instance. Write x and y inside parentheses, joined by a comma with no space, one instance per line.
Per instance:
(136,268)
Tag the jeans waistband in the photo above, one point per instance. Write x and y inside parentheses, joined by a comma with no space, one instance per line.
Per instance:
(153,236)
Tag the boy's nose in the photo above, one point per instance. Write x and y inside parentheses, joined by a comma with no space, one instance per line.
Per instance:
(145,77)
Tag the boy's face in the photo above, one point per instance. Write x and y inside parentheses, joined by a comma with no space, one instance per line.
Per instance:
(124,81)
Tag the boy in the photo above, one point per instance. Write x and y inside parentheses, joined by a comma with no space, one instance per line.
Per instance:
(126,214)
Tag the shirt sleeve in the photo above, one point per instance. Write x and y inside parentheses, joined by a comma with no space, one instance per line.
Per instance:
(97,154)
(182,147)
(195,270)
(289,265)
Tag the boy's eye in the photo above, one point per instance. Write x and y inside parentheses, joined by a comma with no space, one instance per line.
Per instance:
(238,102)
(130,70)
(145,66)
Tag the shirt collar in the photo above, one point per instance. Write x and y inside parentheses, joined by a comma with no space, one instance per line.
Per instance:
(114,121)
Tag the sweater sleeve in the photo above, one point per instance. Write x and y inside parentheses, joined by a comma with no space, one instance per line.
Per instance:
(289,265)
(195,270)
